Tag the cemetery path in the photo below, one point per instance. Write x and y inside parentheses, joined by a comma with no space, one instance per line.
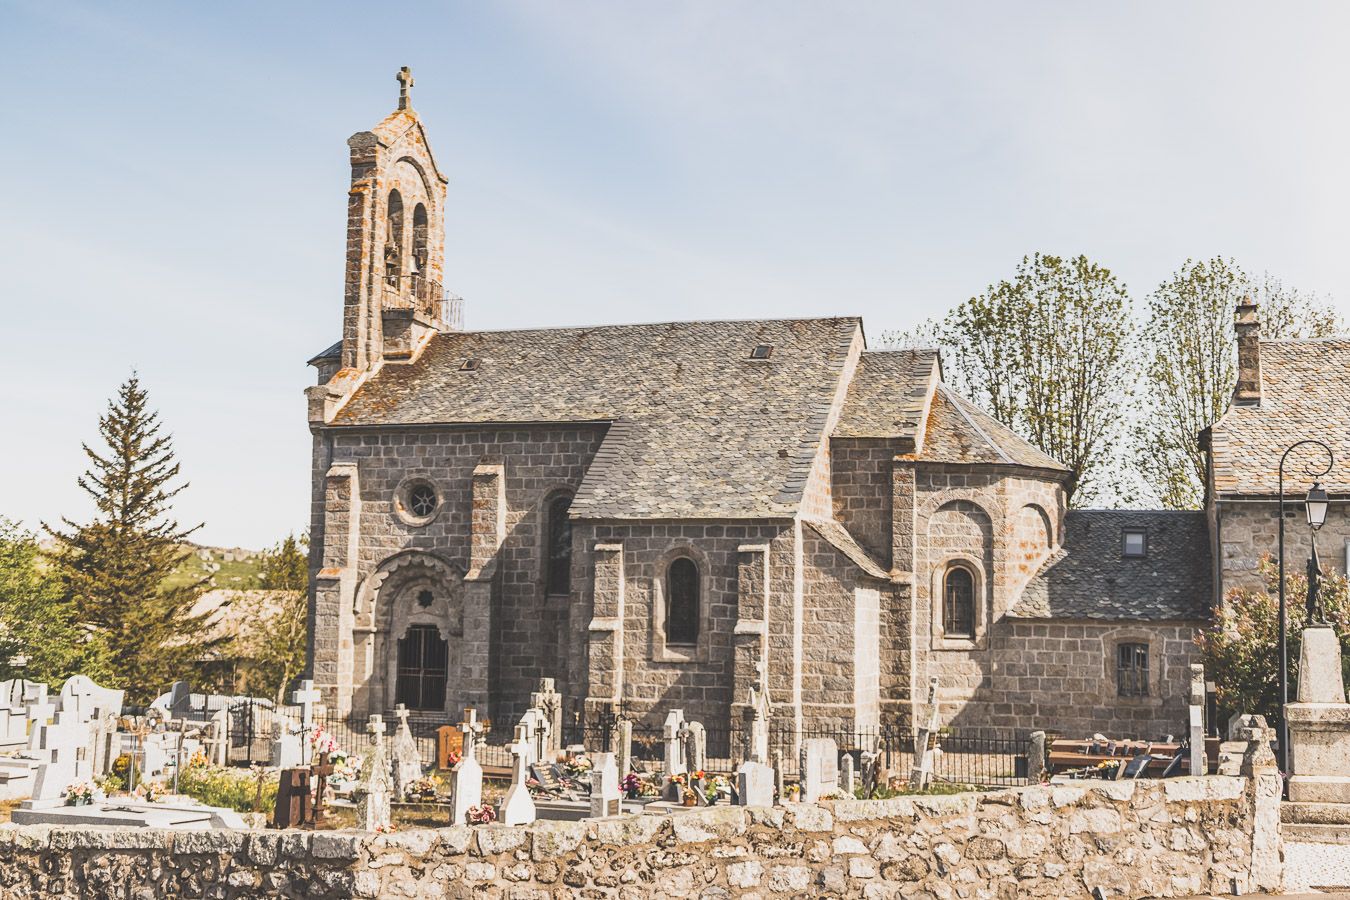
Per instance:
(1316,865)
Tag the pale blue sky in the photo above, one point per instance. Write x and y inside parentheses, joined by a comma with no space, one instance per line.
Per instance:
(173,182)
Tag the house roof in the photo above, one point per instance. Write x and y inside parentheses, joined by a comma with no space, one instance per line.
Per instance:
(960,432)
(888,394)
(698,428)
(1305,393)
(1089,578)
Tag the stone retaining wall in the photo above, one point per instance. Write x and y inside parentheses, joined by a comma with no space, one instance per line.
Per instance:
(1172,838)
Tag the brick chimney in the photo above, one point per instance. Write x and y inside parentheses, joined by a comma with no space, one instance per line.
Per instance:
(1247,391)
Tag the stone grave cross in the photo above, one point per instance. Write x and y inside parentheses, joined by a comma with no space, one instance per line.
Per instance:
(549,702)
(517,807)
(306,698)
(472,728)
(466,778)
(39,714)
(927,739)
(1199,764)
(372,810)
(407,760)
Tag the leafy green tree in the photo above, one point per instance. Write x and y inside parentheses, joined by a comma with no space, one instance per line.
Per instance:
(113,568)
(272,652)
(1241,646)
(1190,365)
(37,627)
(1048,354)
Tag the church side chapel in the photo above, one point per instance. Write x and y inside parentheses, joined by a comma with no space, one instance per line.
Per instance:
(670,515)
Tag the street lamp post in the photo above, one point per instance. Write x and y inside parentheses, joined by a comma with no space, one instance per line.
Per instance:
(1315,508)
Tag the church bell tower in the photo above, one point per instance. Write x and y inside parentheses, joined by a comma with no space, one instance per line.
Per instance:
(393,298)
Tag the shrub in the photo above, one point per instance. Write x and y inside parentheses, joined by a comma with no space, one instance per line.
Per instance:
(235,789)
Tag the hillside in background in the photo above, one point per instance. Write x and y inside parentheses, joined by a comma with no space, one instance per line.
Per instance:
(233,568)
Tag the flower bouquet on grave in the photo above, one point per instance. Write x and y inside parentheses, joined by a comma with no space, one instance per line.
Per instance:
(198,760)
(148,792)
(720,786)
(422,790)
(649,788)
(322,740)
(688,797)
(79,793)
(452,759)
(631,786)
(792,792)
(577,766)
(482,814)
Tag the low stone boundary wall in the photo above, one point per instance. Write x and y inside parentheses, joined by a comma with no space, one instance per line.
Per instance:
(1169,838)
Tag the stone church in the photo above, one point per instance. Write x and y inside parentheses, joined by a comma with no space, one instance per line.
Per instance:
(667,515)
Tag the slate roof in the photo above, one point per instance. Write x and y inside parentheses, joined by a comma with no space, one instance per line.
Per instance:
(959,431)
(1088,578)
(1305,393)
(700,430)
(888,393)
(838,536)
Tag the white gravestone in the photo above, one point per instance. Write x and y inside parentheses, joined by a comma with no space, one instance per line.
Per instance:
(535,740)
(926,741)
(549,702)
(696,752)
(1199,765)
(848,778)
(757,727)
(674,733)
(754,784)
(466,778)
(517,807)
(407,761)
(67,761)
(819,768)
(623,746)
(605,797)
(307,697)
(288,746)
(372,808)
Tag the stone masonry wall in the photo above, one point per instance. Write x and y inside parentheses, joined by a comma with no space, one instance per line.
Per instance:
(1248,530)
(1134,839)
(538,461)
(861,482)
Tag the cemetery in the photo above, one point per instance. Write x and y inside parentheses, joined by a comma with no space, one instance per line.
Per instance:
(349,816)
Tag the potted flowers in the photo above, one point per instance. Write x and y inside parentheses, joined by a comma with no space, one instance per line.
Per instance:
(79,793)
(792,792)
(148,792)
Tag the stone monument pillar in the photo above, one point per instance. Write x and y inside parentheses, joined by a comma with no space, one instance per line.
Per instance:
(1319,723)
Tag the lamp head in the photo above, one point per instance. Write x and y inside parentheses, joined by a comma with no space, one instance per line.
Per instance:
(1315,505)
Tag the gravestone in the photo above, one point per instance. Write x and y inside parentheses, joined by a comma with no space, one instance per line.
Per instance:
(819,768)
(778,774)
(517,807)
(550,704)
(65,745)
(696,746)
(1036,757)
(674,763)
(1198,763)
(757,727)
(755,784)
(926,741)
(180,700)
(466,778)
(847,777)
(293,807)
(287,746)
(535,740)
(407,760)
(376,787)
(605,797)
(623,746)
(871,765)
(307,697)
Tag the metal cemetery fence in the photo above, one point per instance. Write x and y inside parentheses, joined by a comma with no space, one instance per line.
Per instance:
(977,757)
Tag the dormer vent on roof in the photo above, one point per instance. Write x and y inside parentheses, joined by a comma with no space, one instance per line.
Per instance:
(762,351)
(470,364)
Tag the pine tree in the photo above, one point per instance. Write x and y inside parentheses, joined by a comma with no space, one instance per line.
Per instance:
(113,569)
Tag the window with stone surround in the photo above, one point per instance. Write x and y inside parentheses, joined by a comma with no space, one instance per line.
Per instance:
(958,603)
(422,664)
(417,502)
(1131,669)
(682,602)
(558,552)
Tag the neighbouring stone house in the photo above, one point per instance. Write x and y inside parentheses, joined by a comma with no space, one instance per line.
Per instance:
(667,515)
(1288,391)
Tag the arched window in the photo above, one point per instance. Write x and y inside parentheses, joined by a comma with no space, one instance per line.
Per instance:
(958,603)
(422,658)
(419,253)
(393,241)
(558,571)
(682,602)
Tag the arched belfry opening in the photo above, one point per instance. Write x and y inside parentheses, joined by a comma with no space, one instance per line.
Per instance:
(393,245)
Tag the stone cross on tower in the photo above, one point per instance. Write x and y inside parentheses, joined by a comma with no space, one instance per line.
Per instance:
(405,83)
